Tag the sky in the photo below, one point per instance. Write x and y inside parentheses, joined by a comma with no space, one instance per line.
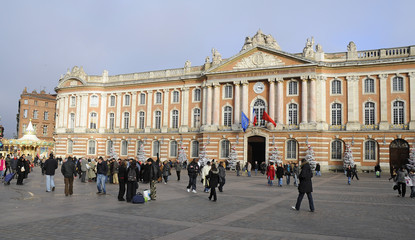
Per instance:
(40,40)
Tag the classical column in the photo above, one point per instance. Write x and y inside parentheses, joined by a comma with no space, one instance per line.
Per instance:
(149,109)
(165,111)
(312,103)
(103,113)
(237,106)
(304,98)
(383,125)
(245,105)
(185,110)
(217,109)
(321,106)
(271,111)
(209,105)
(133,112)
(118,116)
(204,104)
(412,100)
(280,101)
(352,103)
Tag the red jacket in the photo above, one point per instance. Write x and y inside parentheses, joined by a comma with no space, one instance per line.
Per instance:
(271,172)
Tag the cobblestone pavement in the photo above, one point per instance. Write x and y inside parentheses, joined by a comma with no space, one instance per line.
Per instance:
(247,209)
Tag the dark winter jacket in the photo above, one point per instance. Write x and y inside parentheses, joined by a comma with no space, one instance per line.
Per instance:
(13,163)
(19,165)
(306,186)
(166,170)
(50,165)
(154,170)
(122,174)
(222,172)
(193,169)
(68,169)
(137,173)
(280,172)
(102,168)
(213,178)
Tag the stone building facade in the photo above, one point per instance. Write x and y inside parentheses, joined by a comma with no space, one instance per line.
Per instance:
(365,99)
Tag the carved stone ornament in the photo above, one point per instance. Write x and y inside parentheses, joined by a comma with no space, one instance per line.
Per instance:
(76,72)
(257,60)
(260,39)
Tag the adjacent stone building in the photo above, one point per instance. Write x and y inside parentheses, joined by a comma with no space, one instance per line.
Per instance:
(365,99)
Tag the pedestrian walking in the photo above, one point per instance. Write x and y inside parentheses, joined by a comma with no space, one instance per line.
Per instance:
(8,163)
(166,171)
(271,174)
(400,179)
(318,171)
(412,176)
(213,177)
(305,187)
(192,171)
(115,171)
(20,170)
(102,170)
(295,174)
(287,173)
(249,168)
(68,171)
(256,167)
(84,169)
(50,166)
(280,174)
(354,172)
(2,166)
(349,174)
(205,173)
(222,176)
(238,168)
(178,168)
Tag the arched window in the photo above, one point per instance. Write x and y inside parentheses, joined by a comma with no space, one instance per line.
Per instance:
(398,112)
(197,95)
(195,149)
(141,119)
(259,108)
(176,97)
(369,85)
(111,121)
(196,117)
(224,148)
(156,148)
(173,148)
(140,145)
(124,147)
(175,119)
(93,120)
(158,97)
(369,113)
(91,147)
(370,150)
(292,88)
(70,146)
(336,114)
(336,150)
(110,145)
(228,91)
(397,84)
(94,101)
(157,120)
(227,116)
(292,114)
(336,87)
(126,120)
(72,121)
(291,149)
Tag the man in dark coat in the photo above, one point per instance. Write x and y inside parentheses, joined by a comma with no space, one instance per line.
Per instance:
(192,170)
(154,174)
(68,170)
(102,170)
(50,165)
(305,186)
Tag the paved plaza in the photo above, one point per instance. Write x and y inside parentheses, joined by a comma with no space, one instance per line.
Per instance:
(247,209)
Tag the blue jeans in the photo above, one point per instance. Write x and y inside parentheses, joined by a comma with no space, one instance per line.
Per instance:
(279,181)
(288,177)
(256,172)
(348,180)
(318,173)
(249,173)
(310,201)
(49,182)
(101,183)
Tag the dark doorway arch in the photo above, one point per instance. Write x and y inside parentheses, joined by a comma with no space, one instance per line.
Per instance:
(256,149)
(398,153)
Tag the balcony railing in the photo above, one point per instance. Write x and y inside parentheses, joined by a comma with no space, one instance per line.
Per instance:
(337,127)
(371,127)
(124,130)
(399,126)
(89,130)
(292,127)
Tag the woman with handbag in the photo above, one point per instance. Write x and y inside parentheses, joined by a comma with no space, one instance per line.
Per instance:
(213,177)
(20,169)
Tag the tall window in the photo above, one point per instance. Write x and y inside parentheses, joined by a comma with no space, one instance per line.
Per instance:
(369,85)
(94,101)
(197,95)
(126,120)
(292,114)
(26,101)
(336,114)
(173,148)
(141,118)
(195,149)
(35,114)
(45,116)
(157,120)
(140,145)
(24,127)
(158,97)
(25,113)
(124,147)
(45,130)
(292,88)
(227,116)
(110,144)
(156,148)
(175,119)
(397,83)
(196,117)
(336,150)
(91,147)
(224,148)
(259,108)
(127,100)
(291,149)
(73,101)
(70,146)
(72,120)
(369,113)
(93,120)
(336,87)
(111,121)
(112,101)
(142,98)
(370,150)
(176,98)
(228,91)
(398,112)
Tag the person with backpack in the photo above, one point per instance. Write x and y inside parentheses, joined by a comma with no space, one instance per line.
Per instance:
(132,181)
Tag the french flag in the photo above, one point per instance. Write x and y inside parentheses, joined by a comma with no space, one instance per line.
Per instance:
(254,117)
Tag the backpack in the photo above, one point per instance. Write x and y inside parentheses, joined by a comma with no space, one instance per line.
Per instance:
(138,198)
(131,176)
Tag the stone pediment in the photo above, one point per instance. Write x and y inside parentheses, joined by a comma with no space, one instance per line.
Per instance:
(259,60)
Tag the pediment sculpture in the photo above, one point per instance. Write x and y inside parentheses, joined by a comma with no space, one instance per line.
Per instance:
(260,39)
(257,60)
(76,72)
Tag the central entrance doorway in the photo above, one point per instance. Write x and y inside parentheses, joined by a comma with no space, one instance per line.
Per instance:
(398,153)
(256,149)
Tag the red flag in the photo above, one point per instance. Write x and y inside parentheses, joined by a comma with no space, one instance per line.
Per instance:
(255,118)
(267,118)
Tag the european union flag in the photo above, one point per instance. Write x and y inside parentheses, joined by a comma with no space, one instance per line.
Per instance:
(244,122)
